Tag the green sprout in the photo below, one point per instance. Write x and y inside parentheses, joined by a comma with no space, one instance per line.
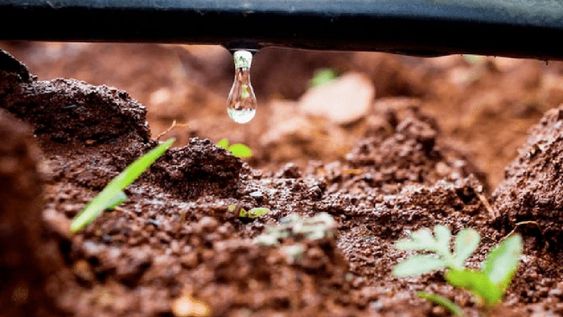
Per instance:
(488,284)
(442,301)
(322,76)
(320,226)
(238,149)
(252,213)
(112,195)
(117,200)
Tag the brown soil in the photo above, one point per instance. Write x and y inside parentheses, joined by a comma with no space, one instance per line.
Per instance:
(486,106)
(531,194)
(20,226)
(174,242)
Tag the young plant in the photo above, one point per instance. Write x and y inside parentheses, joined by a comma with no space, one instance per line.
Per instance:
(488,284)
(252,213)
(320,226)
(112,195)
(442,301)
(322,76)
(238,149)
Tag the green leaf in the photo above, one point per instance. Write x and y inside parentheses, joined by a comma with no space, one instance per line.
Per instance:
(107,196)
(240,150)
(258,212)
(116,200)
(442,301)
(419,240)
(253,213)
(223,144)
(243,213)
(466,242)
(443,236)
(477,283)
(502,262)
(418,264)
(322,76)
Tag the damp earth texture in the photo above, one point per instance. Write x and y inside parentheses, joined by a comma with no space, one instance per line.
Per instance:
(453,141)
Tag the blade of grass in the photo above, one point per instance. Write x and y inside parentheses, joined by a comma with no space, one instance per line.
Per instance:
(442,301)
(107,196)
(117,200)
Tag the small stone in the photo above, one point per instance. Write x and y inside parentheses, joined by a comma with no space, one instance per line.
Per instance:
(289,170)
(256,194)
(207,224)
(343,100)
(82,270)
(292,134)
(187,306)
(293,252)
(160,96)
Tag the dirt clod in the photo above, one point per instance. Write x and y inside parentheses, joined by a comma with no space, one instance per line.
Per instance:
(530,197)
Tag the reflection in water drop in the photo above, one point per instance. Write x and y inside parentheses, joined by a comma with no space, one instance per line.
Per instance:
(241,103)
(241,116)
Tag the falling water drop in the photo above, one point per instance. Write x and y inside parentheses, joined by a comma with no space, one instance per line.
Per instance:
(241,103)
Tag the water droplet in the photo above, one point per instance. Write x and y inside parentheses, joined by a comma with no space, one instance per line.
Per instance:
(241,103)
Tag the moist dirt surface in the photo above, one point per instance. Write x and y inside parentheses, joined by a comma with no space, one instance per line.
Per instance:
(431,150)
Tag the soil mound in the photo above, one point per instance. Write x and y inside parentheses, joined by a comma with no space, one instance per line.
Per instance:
(532,193)
(26,260)
(198,169)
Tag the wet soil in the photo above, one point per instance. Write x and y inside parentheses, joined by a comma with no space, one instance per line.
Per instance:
(174,243)
(530,195)
(25,258)
(486,105)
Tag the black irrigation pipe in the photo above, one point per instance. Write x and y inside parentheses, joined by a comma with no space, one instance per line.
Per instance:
(518,28)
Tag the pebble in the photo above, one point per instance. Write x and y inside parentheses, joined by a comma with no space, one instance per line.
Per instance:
(256,194)
(187,306)
(342,101)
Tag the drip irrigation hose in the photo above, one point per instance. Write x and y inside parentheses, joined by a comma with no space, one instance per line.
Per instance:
(518,28)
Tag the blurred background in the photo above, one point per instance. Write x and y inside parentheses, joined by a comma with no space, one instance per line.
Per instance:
(314,105)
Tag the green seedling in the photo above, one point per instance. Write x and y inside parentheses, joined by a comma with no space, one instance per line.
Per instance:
(252,213)
(442,301)
(488,284)
(112,195)
(320,226)
(117,200)
(322,76)
(238,149)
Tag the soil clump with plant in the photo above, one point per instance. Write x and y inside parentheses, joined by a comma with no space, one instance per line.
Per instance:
(326,246)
